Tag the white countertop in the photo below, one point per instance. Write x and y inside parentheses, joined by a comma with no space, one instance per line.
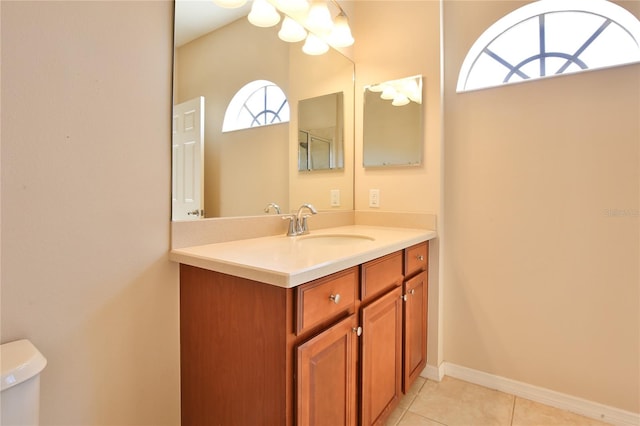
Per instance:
(290,261)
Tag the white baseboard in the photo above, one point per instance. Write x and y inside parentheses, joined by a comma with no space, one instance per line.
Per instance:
(586,408)
(433,373)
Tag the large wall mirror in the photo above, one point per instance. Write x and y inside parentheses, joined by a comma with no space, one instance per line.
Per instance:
(245,170)
(393,123)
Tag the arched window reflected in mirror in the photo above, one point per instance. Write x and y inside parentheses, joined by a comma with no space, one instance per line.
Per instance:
(259,103)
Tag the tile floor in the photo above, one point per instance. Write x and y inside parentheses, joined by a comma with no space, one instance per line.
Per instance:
(454,402)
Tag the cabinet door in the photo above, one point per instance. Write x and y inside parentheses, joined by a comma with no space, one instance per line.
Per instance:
(381,357)
(326,376)
(415,328)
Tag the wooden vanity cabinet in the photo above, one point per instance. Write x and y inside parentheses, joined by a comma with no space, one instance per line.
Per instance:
(236,361)
(326,363)
(259,354)
(381,345)
(327,376)
(415,296)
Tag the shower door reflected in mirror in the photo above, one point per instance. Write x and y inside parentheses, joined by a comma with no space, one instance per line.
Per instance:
(321,133)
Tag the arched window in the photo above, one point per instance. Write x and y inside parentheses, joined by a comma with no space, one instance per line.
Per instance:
(551,37)
(259,103)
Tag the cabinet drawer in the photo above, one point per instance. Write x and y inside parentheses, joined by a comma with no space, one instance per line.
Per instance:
(381,274)
(323,299)
(416,258)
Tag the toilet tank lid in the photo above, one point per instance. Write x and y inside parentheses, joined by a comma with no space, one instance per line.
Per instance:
(19,361)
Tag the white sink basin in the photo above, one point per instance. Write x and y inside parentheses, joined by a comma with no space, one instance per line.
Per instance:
(334,239)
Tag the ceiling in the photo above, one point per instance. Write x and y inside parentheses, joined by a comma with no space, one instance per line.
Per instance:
(194,18)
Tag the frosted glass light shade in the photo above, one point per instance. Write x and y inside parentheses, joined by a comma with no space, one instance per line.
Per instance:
(377,88)
(291,31)
(341,33)
(230,4)
(400,99)
(314,45)
(412,87)
(319,19)
(388,93)
(263,14)
(293,5)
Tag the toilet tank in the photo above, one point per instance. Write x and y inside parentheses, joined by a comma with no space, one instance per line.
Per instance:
(21,364)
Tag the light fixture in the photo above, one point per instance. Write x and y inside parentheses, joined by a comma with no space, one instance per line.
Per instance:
(230,4)
(319,19)
(314,45)
(291,31)
(340,35)
(263,14)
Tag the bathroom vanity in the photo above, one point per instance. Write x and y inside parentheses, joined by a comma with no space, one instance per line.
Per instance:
(328,328)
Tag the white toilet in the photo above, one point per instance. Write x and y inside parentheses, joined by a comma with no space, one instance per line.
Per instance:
(21,364)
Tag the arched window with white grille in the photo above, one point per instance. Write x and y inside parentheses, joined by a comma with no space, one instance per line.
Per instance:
(551,37)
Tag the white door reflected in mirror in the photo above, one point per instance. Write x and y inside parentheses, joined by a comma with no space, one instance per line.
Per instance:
(187,178)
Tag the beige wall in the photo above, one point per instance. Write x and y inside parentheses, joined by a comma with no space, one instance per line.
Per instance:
(541,283)
(541,280)
(86,92)
(397,39)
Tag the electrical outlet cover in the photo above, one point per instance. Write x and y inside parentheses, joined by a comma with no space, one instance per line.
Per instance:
(374,198)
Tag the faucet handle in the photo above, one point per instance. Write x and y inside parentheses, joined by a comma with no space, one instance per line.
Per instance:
(293,225)
(303,227)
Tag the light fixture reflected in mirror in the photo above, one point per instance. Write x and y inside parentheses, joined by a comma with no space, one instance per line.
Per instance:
(314,45)
(293,6)
(319,19)
(400,100)
(340,35)
(300,18)
(263,14)
(400,92)
(291,31)
(388,93)
(230,4)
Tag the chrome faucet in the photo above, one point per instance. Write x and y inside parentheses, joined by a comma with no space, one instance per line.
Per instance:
(298,222)
(276,208)
(301,220)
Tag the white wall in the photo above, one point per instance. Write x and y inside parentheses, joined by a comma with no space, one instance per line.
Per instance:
(541,280)
(86,94)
